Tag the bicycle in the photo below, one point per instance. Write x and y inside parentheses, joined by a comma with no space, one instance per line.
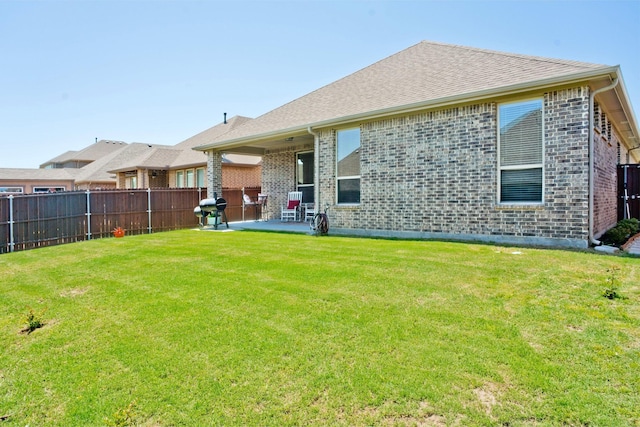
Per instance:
(320,223)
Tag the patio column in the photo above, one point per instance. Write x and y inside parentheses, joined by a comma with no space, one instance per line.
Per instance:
(214,173)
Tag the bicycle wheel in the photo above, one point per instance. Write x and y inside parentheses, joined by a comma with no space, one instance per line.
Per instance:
(316,224)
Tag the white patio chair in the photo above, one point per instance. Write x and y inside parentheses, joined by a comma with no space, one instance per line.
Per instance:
(291,210)
(309,211)
(262,202)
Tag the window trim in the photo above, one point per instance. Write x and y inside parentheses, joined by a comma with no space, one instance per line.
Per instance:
(346,177)
(10,189)
(41,189)
(530,166)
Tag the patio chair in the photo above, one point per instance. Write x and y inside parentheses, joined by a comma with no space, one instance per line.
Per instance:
(309,211)
(246,201)
(290,211)
(262,202)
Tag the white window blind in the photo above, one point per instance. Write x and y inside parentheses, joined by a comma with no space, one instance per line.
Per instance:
(521,148)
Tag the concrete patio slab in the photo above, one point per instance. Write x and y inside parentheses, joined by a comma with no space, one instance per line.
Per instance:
(273,225)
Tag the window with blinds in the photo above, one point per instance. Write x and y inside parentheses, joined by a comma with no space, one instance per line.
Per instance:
(521,148)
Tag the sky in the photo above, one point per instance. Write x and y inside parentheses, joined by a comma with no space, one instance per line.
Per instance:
(159,72)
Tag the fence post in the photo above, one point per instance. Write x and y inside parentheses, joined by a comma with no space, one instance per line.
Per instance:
(88,215)
(11,239)
(149,207)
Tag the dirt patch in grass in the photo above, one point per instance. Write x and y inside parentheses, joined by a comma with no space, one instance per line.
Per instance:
(71,293)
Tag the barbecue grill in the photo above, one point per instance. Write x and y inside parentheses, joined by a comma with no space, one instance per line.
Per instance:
(212,208)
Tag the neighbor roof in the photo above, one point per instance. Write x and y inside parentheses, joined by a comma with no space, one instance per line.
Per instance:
(16,174)
(142,156)
(88,154)
(189,157)
(426,74)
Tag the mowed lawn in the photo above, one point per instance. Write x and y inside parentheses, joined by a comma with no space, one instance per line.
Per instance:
(203,328)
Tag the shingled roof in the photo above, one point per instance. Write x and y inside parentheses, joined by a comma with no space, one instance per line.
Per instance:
(420,76)
(90,153)
(189,157)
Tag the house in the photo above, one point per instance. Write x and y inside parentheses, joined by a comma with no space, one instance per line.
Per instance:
(179,166)
(452,142)
(79,159)
(110,164)
(25,181)
(73,170)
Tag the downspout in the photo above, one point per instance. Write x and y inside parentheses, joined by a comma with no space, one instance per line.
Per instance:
(592,96)
(316,168)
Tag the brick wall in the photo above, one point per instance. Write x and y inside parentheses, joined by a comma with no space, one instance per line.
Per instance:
(214,173)
(434,174)
(241,176)
(607,155)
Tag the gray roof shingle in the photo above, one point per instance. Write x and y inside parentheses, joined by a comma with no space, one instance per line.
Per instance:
(89,153)
(189,157)
(422,73)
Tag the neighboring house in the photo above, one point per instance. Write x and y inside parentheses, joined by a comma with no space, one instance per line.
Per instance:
(116,164)
(79,159)
(443,141)
(189,168)
(180,166)
(26,181)
(73,170)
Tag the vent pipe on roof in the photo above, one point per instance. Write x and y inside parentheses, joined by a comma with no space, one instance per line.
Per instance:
(592,97)
(225,118)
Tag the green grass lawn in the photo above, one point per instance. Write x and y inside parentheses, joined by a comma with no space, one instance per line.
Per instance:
(247,328)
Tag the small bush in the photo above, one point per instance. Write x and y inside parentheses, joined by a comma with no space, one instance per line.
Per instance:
(611,291)
(619,234)
(631,225)
(33,320)
(123,417)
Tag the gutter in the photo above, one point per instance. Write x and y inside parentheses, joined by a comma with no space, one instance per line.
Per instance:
(316,168)
(592,96)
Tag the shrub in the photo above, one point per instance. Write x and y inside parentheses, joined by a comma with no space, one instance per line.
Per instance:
(123,417)
(619,234)
(631,225)
(33,320)
(611,291)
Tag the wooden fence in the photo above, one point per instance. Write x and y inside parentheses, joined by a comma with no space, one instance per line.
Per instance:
(628,191)
(39,220)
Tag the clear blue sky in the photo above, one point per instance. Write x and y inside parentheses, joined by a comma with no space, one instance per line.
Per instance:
(162,71)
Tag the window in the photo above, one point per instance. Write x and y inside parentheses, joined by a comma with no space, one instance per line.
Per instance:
(40,190)
(304,176)
(520,147)
(180,179)
(190,178)
(348,167)
(11,190)
(200,178)
(131,182)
